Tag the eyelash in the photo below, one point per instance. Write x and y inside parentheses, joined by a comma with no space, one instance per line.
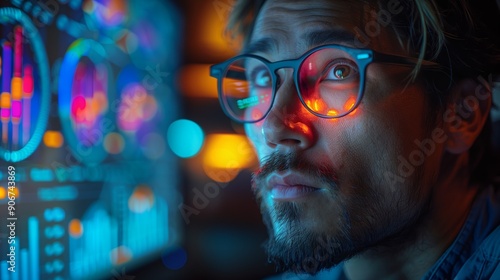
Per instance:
(333,64)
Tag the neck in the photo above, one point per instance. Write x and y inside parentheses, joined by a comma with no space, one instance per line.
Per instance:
(452,197)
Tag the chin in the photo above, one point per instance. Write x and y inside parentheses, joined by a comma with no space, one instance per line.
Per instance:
(300,246)
(303,240)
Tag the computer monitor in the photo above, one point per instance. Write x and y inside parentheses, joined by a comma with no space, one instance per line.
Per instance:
(88,185)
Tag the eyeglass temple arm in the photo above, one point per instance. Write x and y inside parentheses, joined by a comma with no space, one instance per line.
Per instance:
(216,72)
(403,60)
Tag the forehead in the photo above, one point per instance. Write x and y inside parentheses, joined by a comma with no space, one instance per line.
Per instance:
(284,26)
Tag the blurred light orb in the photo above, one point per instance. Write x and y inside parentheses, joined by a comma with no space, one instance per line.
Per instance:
(153,146)
(75,228)
(136,107)
(174,259)
(120,255)
(185,138)
(141,200)
(114,143)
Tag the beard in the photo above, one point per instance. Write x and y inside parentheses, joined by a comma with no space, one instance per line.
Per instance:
(303,251)
(357,228)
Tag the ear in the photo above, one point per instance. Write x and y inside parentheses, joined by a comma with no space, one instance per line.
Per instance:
(466,114)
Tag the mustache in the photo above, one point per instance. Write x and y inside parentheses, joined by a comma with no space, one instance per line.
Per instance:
(277,162)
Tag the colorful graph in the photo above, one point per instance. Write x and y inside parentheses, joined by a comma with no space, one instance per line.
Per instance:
(25,94)
(87,204)
(28,263)
(17,91)
(100,240)
(85,89)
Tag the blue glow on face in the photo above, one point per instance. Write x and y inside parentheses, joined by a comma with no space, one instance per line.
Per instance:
(174,259)
(185,138)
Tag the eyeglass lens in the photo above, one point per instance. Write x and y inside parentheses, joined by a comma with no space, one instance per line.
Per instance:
(328,80)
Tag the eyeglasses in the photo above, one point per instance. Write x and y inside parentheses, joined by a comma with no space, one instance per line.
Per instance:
(329,79)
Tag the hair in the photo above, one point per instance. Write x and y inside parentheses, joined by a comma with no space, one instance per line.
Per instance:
(461,35)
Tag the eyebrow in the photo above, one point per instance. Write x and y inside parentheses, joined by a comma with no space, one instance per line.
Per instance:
(315,38)
(263,45)
(322,37)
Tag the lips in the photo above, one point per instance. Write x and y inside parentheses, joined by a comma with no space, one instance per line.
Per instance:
(290,186)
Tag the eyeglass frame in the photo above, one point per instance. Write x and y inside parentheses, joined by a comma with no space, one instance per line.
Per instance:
(363,58)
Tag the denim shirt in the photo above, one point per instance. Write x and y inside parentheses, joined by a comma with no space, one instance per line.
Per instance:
(474,255)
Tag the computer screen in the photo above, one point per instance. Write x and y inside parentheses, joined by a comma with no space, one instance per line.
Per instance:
(88,184)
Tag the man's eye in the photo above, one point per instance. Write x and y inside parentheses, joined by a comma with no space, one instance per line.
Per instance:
(260,77)
(337,71)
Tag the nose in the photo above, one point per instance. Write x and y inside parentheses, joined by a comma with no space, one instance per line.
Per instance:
(288,125)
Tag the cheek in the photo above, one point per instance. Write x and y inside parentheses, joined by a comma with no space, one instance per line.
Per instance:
(256,137)
(368,147)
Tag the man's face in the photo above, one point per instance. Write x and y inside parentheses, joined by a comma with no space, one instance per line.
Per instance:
(331,188)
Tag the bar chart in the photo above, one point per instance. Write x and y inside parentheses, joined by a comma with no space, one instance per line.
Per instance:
(28,263)
(25,86)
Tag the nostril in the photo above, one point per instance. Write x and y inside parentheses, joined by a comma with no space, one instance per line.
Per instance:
(278,132)
(271,144)
(290,142)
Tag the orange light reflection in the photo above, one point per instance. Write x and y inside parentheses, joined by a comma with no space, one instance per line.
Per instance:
(75,228)
(350,103)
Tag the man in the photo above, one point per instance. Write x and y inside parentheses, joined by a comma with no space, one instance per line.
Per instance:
(371,123)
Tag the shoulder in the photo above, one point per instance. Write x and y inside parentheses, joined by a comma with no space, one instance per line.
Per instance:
(484,260)
(484,263)
(475,252)
(334,273)
(490,248)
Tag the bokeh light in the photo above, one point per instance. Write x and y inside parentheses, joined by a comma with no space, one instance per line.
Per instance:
(153,146)
(136,108)
(225,155)
(185,138)
(108,13)
(3,193)
(14,192)
(228,151)
(114,143)
(175,258)
(141,200)
(120,255)
(75,228)
(53,139)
